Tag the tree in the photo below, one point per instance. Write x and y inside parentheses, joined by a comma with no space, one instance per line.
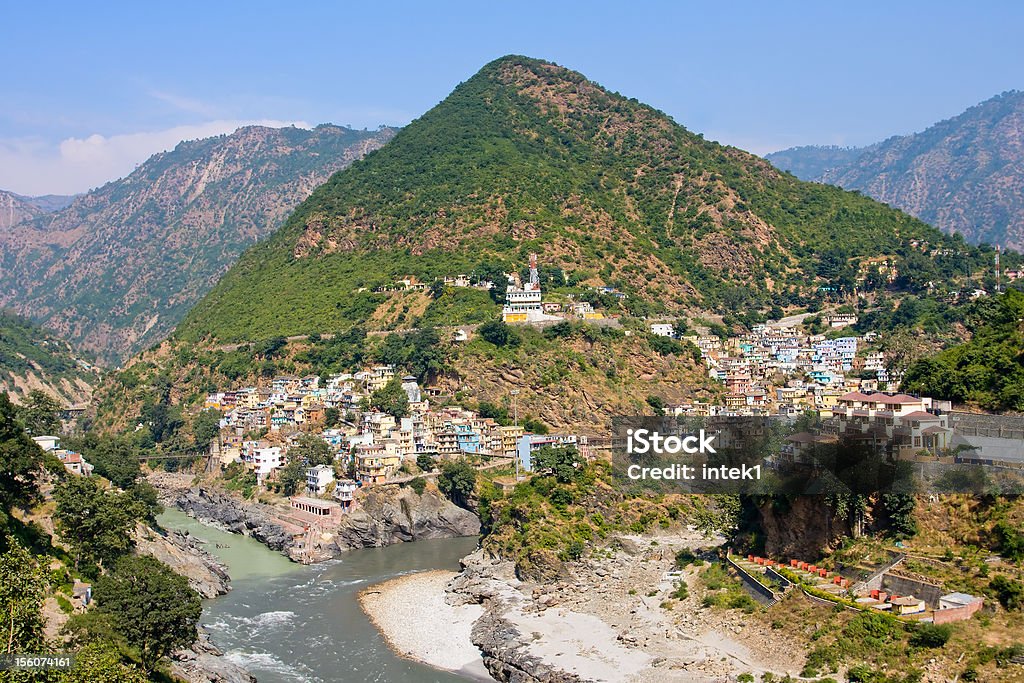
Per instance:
(312,450)
(115,457)
(421,352)
(152,607)
(391,399)
(292,476)
(425,462)
(22,591)
(498,333)
(930,635)
(270,348)
(561,462)
(457,481)
(41,413)
(148,499)
(163,420)
(332,416)
(1009,592)
(206,427)
(900,509)
(96,523)
(657,404)
(20,457)
(436,289)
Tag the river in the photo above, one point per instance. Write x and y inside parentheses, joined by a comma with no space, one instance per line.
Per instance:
(290,623)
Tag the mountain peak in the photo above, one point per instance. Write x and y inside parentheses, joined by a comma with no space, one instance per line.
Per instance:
(528,156)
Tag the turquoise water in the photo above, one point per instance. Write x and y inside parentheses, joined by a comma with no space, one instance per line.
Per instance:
(289,623)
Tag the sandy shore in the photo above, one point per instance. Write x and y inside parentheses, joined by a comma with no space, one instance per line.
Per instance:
(417,622)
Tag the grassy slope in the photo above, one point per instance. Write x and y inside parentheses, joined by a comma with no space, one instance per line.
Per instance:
(526,156)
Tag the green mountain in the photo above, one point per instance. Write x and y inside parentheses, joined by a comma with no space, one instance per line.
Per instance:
(527,156)
(964,174)
(988,370)
(117,269)
(33,359)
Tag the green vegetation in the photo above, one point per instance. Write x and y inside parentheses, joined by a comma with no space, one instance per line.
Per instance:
(1009,592)
(391,399)
(930,635)
(868,637)
(154,609)
(502,168)
(498,333)
(40,413)
(457,481)
(25,347)
(987,371)
(724,590)
(97,523)
(143,609)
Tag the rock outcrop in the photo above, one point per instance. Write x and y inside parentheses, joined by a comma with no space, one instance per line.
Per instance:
(391,514)
(185,555)
(805,529)
(227,512)
(205,663)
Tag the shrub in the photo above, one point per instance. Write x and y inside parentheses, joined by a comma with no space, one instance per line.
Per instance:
(685,558)
(419,484)
(1009,592)
(930,635)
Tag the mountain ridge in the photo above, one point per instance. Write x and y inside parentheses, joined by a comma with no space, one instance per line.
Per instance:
(115,270)
(964,174)
(530,156)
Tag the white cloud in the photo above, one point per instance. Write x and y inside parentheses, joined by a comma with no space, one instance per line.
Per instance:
(33,167)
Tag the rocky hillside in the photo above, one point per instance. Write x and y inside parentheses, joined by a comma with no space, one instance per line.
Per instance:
(965,174)
(31,359)
(530,156)
(15,209)
(117,269)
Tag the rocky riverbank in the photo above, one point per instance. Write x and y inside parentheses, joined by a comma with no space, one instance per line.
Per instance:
(187,556)
(393,514)
(204,662)
(220,509)
(610,619)
(382,515)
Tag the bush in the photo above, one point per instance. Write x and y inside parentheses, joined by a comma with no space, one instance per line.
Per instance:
(498,333)
(419,484)
(1009,592)
(930,635)
(684,558)
(573,551)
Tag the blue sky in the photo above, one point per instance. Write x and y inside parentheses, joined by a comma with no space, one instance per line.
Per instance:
(92,89)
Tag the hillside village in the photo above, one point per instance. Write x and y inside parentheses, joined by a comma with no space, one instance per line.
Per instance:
(372,445)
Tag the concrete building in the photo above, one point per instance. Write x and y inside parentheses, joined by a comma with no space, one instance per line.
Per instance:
(318,479)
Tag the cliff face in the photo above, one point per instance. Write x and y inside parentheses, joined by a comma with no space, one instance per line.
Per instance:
(806,528)
(384,515)
(120,266)
(390,514)
(222,510)
(185,555)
